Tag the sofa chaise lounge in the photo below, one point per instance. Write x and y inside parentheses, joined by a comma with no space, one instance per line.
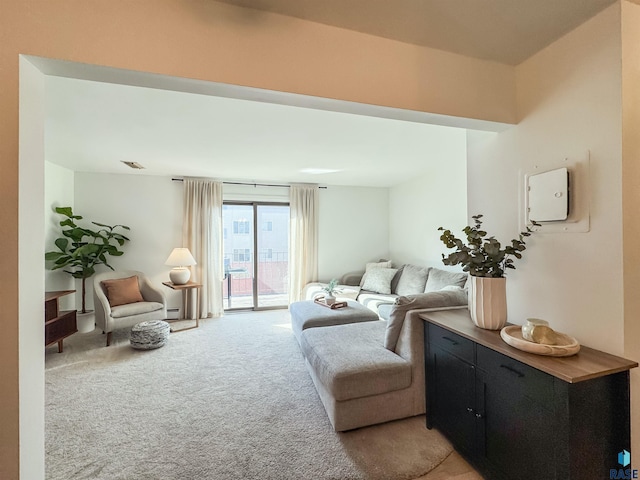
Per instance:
(369,370)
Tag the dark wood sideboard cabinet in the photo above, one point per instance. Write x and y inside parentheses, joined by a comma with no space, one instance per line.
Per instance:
(58,325)
(517,415)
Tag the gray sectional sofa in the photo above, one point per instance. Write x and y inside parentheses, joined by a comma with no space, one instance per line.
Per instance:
(368,369)
(408,280)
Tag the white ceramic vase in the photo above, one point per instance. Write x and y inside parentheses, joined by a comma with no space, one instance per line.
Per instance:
(488,302)
(329,299)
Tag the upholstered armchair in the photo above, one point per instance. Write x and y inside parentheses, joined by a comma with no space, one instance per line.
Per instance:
(124,298)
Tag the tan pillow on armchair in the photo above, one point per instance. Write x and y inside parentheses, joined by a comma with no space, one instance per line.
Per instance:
(121,291)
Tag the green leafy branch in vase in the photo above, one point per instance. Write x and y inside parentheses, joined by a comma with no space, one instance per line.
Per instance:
(483,256)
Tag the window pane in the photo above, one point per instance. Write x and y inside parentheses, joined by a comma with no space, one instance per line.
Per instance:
(273,260)
(238,262)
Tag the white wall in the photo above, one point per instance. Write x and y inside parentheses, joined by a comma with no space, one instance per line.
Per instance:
(353,221)
(354,229)
(437,198)
(150,206)
(58,192)
(569,102)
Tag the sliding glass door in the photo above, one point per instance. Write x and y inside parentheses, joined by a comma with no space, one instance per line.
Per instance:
(256,255)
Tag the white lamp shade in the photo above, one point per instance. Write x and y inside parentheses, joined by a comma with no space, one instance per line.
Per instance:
(180,257)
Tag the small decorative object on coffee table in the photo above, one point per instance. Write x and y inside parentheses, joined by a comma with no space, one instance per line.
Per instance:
(149,335)
(331,289)
(332,306)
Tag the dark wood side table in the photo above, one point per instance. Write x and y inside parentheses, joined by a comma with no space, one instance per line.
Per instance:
(186,289)
(57,325)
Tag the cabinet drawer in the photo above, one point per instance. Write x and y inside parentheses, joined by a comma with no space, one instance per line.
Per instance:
(453,343)
(518,376)
(60,327)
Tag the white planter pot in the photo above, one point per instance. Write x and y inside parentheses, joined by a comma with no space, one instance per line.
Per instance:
(488,302)
(329,299)
(86,322)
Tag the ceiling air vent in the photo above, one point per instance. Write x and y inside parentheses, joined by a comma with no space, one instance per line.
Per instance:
(134,165)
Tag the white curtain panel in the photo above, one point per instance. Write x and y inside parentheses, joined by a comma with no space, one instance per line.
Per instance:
(202,235)
(303,238)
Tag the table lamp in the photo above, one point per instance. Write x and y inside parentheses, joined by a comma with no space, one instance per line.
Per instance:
(180,259)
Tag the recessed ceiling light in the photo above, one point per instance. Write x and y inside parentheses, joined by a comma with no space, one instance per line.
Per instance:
(134,165)
(319,171)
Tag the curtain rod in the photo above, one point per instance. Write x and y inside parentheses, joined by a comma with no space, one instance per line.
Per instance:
(243,183)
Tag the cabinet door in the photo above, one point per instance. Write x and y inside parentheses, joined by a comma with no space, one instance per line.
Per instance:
(451,396)
(515,430)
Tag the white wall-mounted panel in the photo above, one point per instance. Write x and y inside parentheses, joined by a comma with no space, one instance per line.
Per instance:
(548,196)
(578,219)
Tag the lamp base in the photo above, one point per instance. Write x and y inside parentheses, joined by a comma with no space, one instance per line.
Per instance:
(179,275)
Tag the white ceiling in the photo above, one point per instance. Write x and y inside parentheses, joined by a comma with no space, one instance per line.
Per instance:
(94,125)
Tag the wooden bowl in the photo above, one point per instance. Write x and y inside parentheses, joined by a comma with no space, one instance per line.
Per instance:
(565,345)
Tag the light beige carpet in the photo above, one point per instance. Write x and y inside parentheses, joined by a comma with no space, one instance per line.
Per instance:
(230,400)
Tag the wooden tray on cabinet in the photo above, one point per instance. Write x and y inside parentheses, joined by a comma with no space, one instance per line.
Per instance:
(512,335)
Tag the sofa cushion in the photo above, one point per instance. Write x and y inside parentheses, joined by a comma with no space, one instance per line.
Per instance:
(373,300)
(379,280)
(438,279)
(137,308)
(121,291)
(450,297)
(413,280)
(384,310)
(351,361)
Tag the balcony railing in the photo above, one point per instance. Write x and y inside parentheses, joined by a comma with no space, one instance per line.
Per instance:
(273,272)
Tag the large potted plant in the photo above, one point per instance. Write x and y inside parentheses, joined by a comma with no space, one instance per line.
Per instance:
(487,261)
(82,249)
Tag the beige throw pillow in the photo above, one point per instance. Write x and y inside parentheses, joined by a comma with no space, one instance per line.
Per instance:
(379,280)
(371,265)
(122,291)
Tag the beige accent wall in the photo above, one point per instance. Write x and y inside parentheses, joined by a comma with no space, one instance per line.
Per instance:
(631,202)
(569,105)
(205,40)
(579,94)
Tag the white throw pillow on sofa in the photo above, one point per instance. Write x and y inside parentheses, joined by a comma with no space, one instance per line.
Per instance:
(371,265)
(379,280)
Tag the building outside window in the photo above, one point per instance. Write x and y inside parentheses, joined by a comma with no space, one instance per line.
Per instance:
(241,255)
(241,227)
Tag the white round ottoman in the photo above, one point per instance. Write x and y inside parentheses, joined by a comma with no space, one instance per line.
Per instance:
(149,335)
